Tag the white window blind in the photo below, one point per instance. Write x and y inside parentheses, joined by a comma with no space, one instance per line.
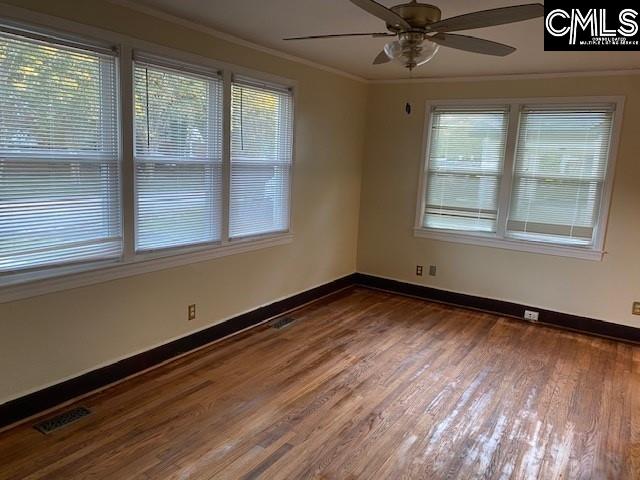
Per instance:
(560,167)
(261,156)
(464,167)
(178,156)
(59,154)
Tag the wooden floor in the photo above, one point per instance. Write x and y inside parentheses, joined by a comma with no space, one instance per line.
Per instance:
(364,385)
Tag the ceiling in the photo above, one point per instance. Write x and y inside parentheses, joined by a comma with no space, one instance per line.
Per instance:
(267,22)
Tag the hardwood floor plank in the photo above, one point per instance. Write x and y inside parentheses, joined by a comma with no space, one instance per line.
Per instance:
(363,385)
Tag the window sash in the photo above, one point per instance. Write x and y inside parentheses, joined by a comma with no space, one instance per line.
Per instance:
(561,157)
(549,238)
(481,216)
(64,120)
(462,187)
(178,168)
(260,171)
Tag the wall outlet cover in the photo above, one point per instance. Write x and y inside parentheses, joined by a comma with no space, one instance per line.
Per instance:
(531,315)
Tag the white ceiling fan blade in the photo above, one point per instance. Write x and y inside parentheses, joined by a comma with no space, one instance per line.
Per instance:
(341,35)
(489,18)
(381,58)
(382,12)
(472,44)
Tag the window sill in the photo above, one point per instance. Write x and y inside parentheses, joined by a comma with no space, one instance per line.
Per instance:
(487,240)
(32,284)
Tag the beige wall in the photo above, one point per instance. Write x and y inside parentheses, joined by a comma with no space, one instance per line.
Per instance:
(46,339)
(387,247)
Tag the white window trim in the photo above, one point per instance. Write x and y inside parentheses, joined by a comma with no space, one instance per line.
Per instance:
(593,252)
(226,172)
(26,284)
(208,74)
(42,282)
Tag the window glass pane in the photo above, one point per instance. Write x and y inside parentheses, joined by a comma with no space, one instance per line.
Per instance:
(560,169)
(465,160)
(178,143)
(261,155)
(59,160)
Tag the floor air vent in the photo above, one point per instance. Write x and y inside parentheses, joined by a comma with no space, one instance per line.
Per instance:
(280,323)
(62,420)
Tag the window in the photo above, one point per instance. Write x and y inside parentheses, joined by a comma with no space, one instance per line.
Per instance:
(261,153)
(560,168)
(465,166)
(200,167)
(59,154)
(178,157)
(529,175)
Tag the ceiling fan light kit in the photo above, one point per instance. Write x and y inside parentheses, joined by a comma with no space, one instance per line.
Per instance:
(411,50)
(420,30)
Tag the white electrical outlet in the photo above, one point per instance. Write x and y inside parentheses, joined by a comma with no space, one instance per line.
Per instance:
(531,315)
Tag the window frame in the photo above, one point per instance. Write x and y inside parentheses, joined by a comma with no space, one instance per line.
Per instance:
(100,48)
(24,284)
(209,74)
(499,239)
(268,85)
(196,64)
(486,105)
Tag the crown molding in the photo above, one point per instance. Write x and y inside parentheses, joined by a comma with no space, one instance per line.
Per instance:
(154,12)
(157,13)
(514,76)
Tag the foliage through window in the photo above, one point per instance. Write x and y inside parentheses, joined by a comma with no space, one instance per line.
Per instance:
(178,144)
(261,153)
(59,155)
(189,188)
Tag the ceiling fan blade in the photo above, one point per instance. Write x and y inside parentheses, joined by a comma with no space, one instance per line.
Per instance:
(489,18)
(472,44)
(382,12)
(340,35)
(381,58)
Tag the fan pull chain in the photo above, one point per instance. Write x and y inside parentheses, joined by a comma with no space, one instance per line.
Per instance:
(408,107)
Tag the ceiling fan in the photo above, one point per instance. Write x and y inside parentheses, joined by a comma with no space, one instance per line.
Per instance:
(420,31)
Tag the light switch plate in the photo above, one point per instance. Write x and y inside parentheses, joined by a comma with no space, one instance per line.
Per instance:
(636,308)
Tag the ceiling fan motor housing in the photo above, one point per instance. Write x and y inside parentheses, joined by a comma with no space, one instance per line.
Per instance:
(418,15)
(420,30)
